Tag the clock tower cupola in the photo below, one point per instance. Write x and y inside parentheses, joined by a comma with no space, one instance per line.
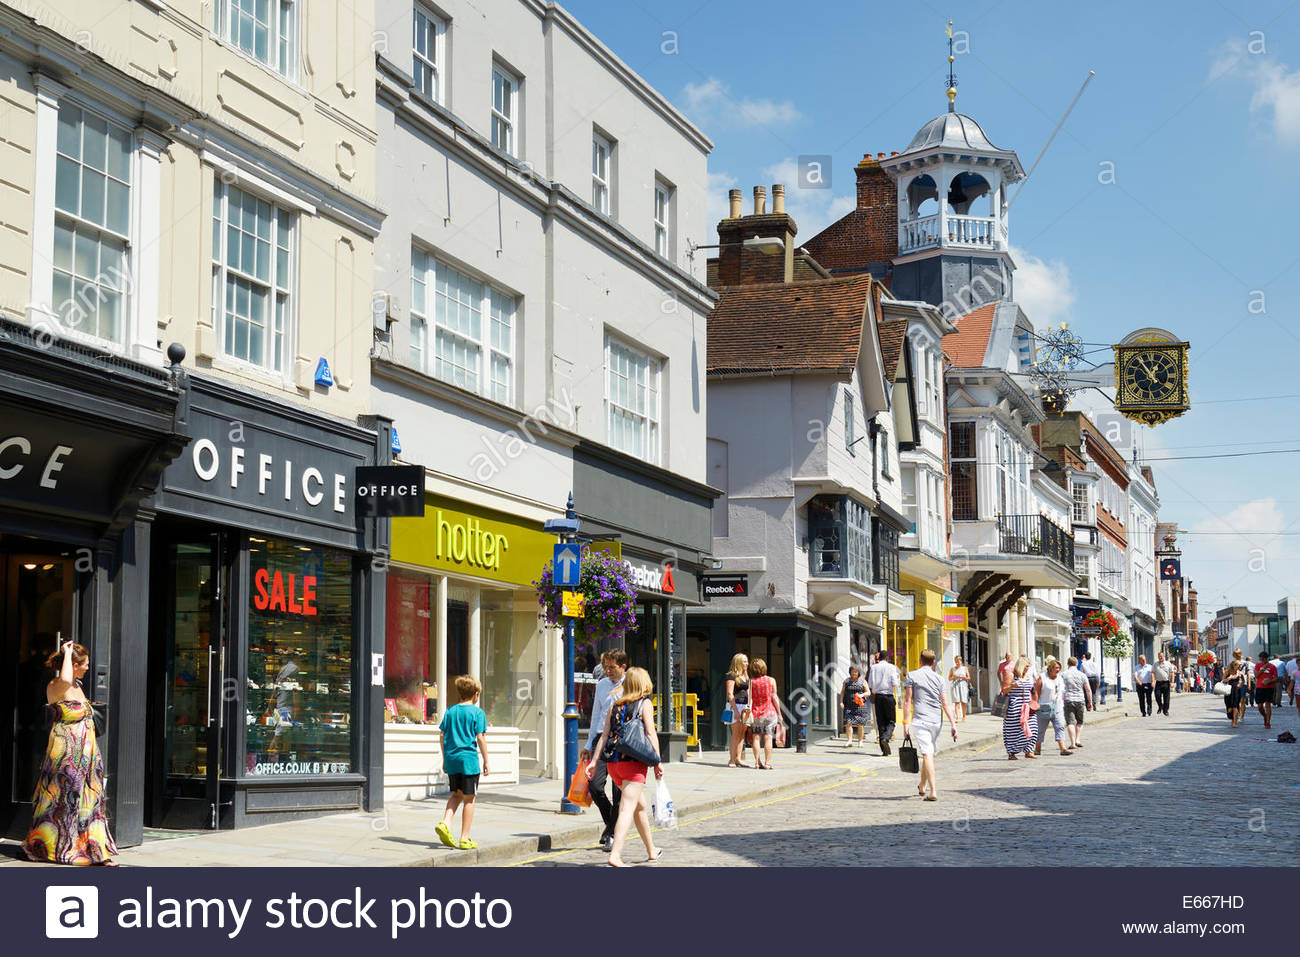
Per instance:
(952,184)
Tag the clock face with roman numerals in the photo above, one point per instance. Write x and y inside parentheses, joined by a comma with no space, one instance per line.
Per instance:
(1151,375)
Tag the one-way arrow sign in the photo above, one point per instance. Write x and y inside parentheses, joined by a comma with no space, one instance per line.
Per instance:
(566,566)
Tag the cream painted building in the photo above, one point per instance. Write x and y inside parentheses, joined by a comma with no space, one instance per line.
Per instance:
(140,142)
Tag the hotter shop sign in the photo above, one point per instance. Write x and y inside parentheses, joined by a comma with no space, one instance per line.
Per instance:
(459,537)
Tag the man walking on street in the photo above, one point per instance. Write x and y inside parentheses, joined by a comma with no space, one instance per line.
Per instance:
(1162,673)
(1265,688)
(614,664)
(1094,678)
(1142,681)
(882,679)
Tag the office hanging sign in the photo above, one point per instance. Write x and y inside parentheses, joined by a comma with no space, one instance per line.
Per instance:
(385,491)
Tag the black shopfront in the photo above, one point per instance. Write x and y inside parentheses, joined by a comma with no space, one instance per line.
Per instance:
(663,525)
(84,438)
(264,595)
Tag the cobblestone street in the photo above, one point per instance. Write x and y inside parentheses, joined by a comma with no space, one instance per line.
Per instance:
(1181,790)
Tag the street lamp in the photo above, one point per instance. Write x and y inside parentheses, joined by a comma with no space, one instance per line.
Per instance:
(567,530)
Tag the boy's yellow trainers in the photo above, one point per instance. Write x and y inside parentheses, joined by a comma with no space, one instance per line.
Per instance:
(468,844)
(444,834)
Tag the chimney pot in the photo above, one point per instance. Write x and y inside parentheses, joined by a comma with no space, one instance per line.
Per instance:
(893,153)
(778,198)
(880,156)
(733,200)
(760,200)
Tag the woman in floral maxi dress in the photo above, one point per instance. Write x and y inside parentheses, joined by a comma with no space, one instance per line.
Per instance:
(69,824)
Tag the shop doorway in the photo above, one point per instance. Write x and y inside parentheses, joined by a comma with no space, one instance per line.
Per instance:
(38,583)
(190,657)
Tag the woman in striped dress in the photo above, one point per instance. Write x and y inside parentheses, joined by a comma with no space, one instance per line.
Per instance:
(1018,734)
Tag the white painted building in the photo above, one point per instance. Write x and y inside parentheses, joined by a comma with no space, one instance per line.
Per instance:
(536,333)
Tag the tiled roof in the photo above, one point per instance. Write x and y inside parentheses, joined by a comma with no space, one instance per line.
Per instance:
(806,326)
(892,333)
(968,346)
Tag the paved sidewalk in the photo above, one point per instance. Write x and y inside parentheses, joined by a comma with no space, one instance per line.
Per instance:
(515,821)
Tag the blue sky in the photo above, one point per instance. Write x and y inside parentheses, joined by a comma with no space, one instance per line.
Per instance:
(1196,105)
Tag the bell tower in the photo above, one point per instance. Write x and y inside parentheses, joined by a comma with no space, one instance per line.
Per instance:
(953,244)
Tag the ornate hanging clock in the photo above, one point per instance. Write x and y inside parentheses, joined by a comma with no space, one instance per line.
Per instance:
(1151,376)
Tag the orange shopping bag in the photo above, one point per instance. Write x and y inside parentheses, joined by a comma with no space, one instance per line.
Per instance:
(578,793)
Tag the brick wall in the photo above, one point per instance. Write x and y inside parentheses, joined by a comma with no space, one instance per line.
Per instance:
(868,234)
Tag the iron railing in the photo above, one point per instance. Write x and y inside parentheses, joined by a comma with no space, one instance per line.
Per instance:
(1035,535)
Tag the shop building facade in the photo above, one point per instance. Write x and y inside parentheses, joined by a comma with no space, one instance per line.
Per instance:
(196,197)
(498,359)
(800,523)
(84,439)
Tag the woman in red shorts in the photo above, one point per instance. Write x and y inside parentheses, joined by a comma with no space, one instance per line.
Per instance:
(630,775)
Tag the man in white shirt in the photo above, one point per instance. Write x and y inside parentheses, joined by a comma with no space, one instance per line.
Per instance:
(1142,681)
(1162,672)
(882,681)
(614,664)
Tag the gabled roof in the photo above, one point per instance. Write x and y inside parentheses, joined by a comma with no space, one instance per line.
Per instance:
(892,335)
(785,327)
(969,345)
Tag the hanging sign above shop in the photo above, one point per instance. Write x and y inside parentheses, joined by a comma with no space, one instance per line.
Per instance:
(725,586)
(1171,569)
(955,618)
(389,490)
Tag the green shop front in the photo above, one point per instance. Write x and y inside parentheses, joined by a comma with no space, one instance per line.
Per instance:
(261,612)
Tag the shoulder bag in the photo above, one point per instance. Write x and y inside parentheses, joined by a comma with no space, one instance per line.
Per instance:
(632,743)
(908,761)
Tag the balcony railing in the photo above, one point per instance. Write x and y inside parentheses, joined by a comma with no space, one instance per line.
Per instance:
(1035,535)
(968,232)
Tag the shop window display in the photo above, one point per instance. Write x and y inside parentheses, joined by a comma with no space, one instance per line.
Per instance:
(299,660)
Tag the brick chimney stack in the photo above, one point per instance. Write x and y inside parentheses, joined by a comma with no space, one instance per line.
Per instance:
(878,200)
(738,264)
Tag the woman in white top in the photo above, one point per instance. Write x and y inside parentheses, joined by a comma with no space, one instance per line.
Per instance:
(1050,692)
(959,675)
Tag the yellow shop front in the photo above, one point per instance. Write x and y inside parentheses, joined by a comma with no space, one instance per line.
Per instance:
(460,600)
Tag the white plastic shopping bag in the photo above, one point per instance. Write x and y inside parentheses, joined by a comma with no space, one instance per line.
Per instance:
(662,808)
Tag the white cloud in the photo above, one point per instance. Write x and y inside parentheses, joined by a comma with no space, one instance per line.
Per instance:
(1248,533)
(1276,89)
(711,104)
(1044,288)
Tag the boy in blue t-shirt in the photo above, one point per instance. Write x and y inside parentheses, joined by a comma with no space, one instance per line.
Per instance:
(463,739)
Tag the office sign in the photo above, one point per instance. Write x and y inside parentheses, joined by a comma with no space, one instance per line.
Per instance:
(382,491)
(725,586)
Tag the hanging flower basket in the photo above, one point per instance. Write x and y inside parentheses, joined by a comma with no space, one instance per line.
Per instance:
(1207,659)
(1104,621)
(610,610)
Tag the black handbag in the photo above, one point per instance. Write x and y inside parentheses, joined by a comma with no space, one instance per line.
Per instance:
(908,761)
(631,742)
(999,708)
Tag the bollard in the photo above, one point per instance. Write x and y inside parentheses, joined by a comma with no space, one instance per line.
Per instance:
(801,735)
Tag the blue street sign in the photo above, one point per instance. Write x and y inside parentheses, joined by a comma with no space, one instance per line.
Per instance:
(323,377)
(566,566)
(397,442)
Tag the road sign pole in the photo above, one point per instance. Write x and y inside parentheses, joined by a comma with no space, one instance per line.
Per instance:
(569,537)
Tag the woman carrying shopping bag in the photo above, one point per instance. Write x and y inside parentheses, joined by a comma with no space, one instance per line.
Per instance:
(630,744)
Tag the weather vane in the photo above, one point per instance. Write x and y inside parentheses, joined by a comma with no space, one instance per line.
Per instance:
(952,80)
